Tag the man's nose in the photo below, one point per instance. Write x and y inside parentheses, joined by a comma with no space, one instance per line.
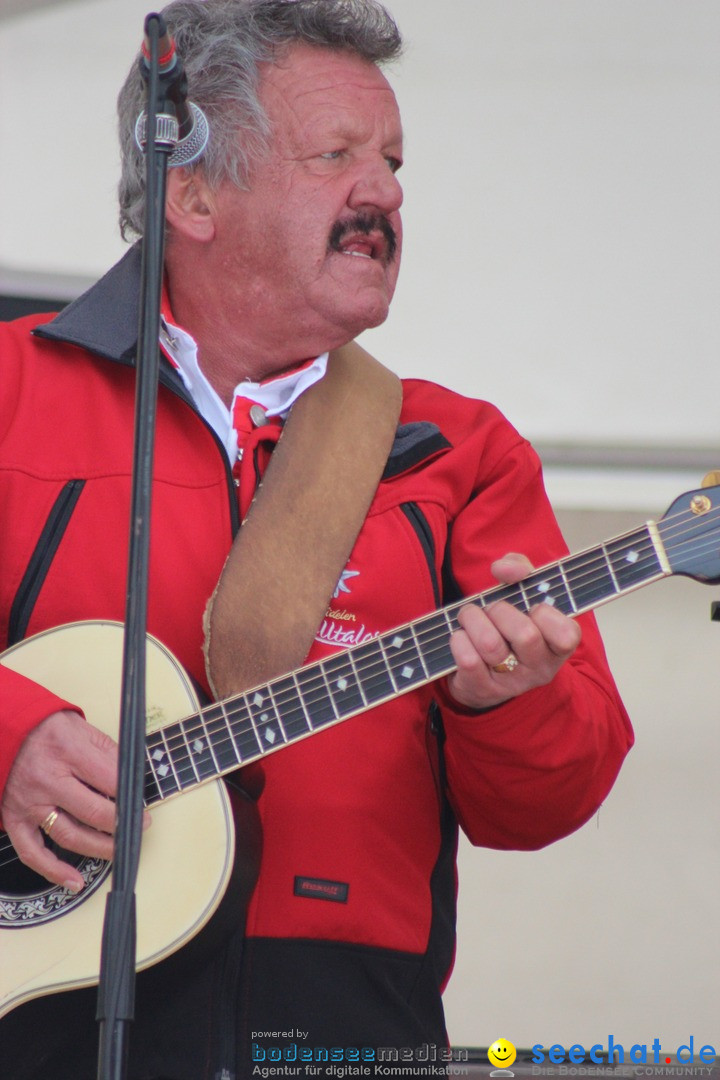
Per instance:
(377,186)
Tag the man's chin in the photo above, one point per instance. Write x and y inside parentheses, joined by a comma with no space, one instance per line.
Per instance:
(372,313)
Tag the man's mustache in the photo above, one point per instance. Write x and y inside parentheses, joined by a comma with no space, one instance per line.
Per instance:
(365,224)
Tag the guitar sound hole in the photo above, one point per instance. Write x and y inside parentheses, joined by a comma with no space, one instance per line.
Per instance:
(17,880)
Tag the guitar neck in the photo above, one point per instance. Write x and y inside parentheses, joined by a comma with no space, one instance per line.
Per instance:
(241,729)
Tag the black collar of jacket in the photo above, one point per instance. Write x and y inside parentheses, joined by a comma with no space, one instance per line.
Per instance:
(104,319)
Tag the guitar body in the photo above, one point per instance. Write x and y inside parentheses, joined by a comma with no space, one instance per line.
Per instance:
(49,939)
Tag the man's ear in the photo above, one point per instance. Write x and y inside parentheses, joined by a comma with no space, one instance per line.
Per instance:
(189,205)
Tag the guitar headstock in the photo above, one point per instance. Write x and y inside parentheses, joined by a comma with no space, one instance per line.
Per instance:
(690,532)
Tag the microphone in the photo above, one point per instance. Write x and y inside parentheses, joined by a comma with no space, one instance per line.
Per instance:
(187,131)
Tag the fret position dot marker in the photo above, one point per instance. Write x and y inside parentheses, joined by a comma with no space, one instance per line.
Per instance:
(258,700)
(198,746)
(342,684)
(632,557)
(270,736)
(158,754)
(397,641)
(544,587)
(406,672)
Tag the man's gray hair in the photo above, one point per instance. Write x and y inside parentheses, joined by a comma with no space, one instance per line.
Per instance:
(221,43)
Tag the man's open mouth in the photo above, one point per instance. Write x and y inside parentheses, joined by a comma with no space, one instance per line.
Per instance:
(365,237)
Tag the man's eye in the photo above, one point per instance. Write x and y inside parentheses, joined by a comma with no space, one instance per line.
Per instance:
(331,155)
(394,164)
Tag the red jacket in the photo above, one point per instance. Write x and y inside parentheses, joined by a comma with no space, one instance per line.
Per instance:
(371,804)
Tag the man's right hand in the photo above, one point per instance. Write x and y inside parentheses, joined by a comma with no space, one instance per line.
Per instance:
(66,765)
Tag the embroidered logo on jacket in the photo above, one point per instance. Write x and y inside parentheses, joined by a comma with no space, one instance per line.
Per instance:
(340,627)
(330,633)
(342,586)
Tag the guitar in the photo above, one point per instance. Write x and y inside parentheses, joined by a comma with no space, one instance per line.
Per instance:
(50,939)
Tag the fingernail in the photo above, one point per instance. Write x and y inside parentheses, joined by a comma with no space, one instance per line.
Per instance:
(73,887)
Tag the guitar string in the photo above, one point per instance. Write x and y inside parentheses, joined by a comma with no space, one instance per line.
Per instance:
(236,719)
(314,677)
(597,556)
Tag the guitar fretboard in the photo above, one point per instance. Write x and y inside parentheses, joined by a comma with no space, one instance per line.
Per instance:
(239,730)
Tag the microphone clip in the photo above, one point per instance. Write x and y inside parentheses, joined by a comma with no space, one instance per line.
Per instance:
(167,136)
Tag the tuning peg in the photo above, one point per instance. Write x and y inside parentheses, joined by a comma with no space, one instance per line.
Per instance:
(711,479)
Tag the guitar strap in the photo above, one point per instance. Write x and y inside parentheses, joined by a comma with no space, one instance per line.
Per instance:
(288,556)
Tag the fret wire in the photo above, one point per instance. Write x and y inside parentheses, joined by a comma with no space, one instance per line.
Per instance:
(633,562)
(276,710)
(208,737)
(180,753)
(373,672)
(302,702)
(419,651)
(387,663)
(344,685)
(608,561)
(267,724)
(252,719)
(204,759)
(524,596)
(252,727)
(151,763)
(228,725)
(545,582)
(358,680)
(169,757)
(403,656)
(330,697)
(170,760)
(451,618)
(568,587)
(156,741)
(191,759)
(316,695)
(287,697)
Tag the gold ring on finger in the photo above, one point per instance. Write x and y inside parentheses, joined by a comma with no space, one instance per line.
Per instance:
(509,664)
(47,824)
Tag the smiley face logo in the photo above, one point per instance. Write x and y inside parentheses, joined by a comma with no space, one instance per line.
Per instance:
(502,1053)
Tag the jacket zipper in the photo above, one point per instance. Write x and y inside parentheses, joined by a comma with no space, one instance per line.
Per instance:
(421,527)
(41,558)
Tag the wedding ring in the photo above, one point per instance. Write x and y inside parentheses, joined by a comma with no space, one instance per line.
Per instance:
(49,821)
(509,664)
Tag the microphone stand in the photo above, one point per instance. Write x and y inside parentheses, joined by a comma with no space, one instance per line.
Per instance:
(116,992)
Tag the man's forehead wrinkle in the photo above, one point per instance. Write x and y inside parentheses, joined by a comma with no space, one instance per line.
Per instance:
(297,102)
(336,84)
